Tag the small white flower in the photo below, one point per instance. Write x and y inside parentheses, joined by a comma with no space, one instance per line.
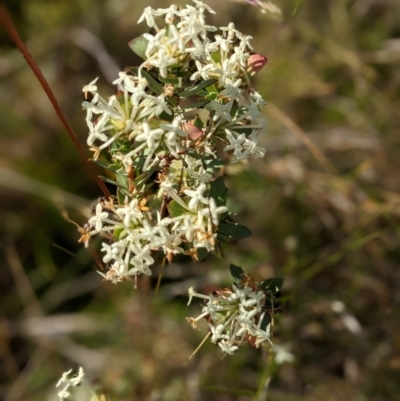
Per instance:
(75,381)
(112,252)
(231,31)
(202,6)
(162,62)
(64,393)
(174,131)
(122,76)
(217,333)
(64,377)
(214,211)
(131,213)
(142,258)
(235,144)
(222,43)
(196,196)
(160,105)
(92,88)
(154,42)
(148,16)
(97,131)
(151,136)
(97,219)
(227,347)
(169,13)
(225,73)
(202,71)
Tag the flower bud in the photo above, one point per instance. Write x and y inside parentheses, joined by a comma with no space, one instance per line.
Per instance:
(256,63)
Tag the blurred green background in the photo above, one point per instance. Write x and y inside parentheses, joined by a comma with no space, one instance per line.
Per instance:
(323,205)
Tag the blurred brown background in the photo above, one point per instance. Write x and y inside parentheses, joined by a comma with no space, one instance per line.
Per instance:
(323,205)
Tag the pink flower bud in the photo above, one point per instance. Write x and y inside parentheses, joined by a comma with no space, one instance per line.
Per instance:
(255,63)
(193,131)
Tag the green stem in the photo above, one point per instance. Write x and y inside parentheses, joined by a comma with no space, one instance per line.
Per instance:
(266,378)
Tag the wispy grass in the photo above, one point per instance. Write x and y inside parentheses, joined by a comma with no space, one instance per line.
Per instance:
(323,205)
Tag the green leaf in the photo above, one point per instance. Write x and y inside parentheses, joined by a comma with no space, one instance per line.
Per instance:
(167,117)
(198,123)
(114,167)
(272,285)
(196,88)
(105,165)
(174,100)
(215,165)
(202,93)
(234,108)
(211,96)
(243,130)
(108,180)
(196,105)
(122,180)
(141,179)
(223,238)
(139,46)
(233,231)
(120,197)
(152,83)
(117,233)
(201,253)
(216,56)
(175,209)
(171,79)
(195,155)
(125,192)
(181,73)
(265,322)
(218,191)
(236,271)
(212,89)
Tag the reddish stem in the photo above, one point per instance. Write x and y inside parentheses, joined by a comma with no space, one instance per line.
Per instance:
(7,23)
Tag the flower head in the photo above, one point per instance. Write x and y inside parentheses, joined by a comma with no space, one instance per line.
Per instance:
(161,135)
(235,315)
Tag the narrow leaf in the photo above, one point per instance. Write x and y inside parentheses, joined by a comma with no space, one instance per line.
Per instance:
(223,238)
(272,284)
(234,108)
(236,271)
(265,322)
(152,83)
(196,105)
(108,180)
(120,196)
(106,166)
(197,88)
(171,79)
(175,209)
(122,180)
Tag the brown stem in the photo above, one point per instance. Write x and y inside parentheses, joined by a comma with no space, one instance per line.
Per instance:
(7,23)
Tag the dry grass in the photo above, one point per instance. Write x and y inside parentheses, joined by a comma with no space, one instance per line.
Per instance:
(324,207)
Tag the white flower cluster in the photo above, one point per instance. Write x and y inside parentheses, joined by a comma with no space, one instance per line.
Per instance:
(162,132)
(139,236)
(235,315)
(69,382)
